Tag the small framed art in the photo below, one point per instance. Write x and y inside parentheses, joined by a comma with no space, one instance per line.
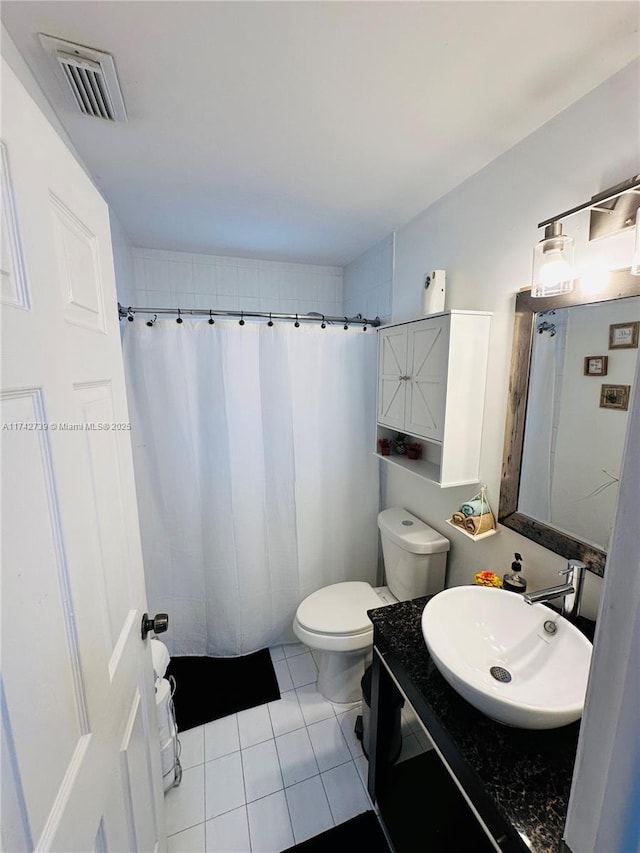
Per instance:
(615,397)
(624,335)
(596,365)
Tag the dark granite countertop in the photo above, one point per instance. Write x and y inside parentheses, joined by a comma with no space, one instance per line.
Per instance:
(526,774)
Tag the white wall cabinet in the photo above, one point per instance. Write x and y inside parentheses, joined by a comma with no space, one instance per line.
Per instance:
(431,385)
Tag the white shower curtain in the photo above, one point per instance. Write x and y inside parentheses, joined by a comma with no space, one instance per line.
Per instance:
(256,479)
(538,452)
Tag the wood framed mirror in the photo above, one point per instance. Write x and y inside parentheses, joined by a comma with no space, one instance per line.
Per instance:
(520,409)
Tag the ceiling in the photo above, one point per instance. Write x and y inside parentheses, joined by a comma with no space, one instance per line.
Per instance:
(307,131)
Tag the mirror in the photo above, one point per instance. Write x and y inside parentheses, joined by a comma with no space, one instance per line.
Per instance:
(573,362)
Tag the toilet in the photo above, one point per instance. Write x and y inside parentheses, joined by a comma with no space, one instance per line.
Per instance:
(333,620)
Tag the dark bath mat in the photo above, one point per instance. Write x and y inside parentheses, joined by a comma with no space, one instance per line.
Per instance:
(210,688)
(360,833)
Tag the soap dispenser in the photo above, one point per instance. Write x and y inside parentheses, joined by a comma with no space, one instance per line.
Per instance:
(514,582)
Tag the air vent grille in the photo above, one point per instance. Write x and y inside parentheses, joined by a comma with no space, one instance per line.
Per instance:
(91,77)
(88,85)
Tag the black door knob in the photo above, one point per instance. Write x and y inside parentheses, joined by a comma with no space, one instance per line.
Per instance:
(158,624)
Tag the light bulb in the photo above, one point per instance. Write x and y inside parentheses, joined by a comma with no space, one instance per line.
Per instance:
(553,263)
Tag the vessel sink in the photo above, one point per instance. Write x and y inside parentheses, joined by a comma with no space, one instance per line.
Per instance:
(494,650)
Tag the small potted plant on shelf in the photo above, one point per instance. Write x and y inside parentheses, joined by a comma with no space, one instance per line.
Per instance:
(399,443)
(385,446)
(413,450)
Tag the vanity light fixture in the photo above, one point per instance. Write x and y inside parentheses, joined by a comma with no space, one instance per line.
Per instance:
(612,210)
(553,263)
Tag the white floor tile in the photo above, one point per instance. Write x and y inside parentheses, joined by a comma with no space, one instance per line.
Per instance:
(221,737)
(314,707)
(283,675)
(224,785)
(261,768)
(228,833)
(346,795)
(184,806)
(409,719)
(277,653)
(254,726)
(424,740)
(297,760)
(293,649)
(303,669)
(343,707)
(309,809)
(269,824)
(191,747)
(329,746)
(347,724)
(410,747)
(285,713)
(362,766)
(188,841)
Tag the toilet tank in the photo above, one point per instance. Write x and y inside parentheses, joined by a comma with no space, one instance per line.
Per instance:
(415,555)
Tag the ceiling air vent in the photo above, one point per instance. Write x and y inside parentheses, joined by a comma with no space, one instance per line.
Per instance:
(91,76)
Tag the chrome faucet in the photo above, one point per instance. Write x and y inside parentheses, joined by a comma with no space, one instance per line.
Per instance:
(571,591)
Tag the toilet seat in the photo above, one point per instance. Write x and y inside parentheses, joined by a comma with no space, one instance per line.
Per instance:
(335,618)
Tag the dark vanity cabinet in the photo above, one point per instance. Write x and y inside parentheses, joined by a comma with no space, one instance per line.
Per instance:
(484,786)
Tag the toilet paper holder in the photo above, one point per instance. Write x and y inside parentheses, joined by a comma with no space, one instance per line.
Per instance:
(158,624)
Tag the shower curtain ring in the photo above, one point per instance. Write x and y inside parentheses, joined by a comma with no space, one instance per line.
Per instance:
(364,328)
(297,324)
(323,325)
(129,314)
(151,322)
(270,323)
(211,320)
(179,320)
(346,323)
(241,318)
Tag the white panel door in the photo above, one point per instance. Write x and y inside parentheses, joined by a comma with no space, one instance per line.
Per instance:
(81,761)
(428,350)
(392,368)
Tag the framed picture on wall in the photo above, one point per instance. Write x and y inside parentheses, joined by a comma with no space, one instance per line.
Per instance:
(623,335)
(615,397)
(596,365)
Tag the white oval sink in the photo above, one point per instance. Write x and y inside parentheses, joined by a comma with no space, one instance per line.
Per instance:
(472,631)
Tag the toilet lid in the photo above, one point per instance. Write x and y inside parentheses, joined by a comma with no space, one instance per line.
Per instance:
(339,609)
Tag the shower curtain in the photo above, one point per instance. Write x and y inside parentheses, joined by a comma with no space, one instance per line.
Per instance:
(256,478)
(545,382)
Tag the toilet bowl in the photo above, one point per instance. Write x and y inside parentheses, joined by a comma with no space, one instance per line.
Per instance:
(333,620)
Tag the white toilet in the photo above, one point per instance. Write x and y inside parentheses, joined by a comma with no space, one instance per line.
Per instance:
(334,619)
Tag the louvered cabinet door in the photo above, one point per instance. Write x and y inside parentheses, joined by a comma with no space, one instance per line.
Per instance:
(392,370)
(426,387)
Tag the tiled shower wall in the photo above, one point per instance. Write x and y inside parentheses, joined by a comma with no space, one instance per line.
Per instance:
(163,279)
(368,281)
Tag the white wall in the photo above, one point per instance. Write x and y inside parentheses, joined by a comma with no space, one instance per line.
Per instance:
(163,279)
(368,281)
(122,258)
(483,234)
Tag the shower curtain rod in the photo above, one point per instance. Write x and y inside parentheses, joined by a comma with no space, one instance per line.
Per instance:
(358,320)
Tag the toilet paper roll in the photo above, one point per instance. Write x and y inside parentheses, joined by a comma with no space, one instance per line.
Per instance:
(160,656)
(167,757)
(166,726)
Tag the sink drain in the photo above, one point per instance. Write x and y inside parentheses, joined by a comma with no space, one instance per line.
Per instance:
(500,674)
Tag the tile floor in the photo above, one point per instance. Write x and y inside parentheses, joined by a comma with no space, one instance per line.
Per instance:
(270,777)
